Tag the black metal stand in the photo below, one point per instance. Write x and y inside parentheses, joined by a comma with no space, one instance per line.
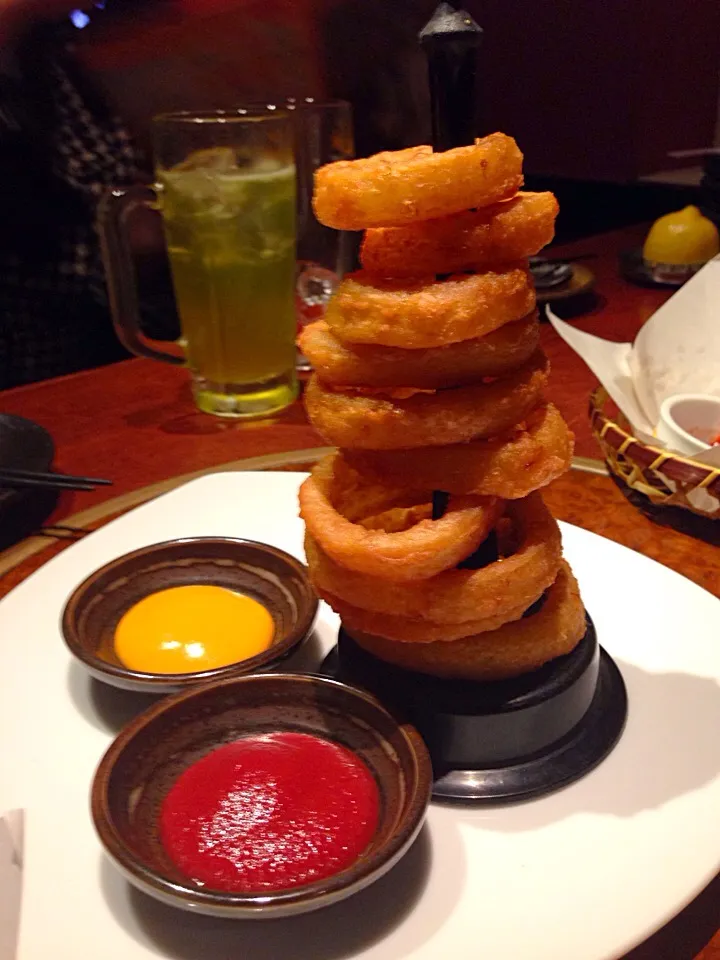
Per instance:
(506,740)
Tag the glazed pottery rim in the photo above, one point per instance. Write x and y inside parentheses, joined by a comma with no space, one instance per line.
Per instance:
(273,654)
(353,877)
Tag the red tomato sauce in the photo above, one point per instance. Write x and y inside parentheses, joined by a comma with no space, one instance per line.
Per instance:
(269,812)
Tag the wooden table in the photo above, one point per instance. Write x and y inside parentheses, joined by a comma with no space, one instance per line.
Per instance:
(135,423)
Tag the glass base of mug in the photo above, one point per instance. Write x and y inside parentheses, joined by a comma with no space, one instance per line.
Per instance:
(245,400)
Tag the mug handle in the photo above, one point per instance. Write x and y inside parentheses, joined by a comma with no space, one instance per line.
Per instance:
(114,210)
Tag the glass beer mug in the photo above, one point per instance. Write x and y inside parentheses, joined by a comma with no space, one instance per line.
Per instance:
(226,189)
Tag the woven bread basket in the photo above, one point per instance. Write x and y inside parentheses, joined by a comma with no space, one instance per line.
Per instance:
(665,479)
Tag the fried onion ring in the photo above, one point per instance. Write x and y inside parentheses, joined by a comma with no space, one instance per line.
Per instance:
(424,549)
(354,420)
(512,230)
(416,184)
(410,630)
(509,467)
(429,312)
(456,595)
(512,649)
(348,364)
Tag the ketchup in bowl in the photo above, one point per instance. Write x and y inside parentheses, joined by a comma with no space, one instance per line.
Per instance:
(269,812)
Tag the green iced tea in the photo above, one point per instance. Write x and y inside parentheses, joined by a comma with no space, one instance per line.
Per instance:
(230,229)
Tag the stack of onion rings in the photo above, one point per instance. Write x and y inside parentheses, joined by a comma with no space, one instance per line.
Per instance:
(456,595)
(428,377)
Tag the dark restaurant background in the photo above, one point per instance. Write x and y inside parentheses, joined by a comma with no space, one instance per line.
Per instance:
(596,93)
(600,90)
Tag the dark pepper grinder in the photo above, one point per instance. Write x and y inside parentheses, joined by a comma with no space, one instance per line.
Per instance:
(451,40)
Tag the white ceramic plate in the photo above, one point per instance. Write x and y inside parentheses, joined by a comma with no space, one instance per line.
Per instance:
(584,874)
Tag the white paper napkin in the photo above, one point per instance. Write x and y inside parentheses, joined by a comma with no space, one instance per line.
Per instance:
(676,351)
(12,826)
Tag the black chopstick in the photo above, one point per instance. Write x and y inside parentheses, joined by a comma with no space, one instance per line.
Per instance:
(40,478)
(23,482)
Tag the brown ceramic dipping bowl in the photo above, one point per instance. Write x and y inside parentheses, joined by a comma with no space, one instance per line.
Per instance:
(149,755)
(267,574)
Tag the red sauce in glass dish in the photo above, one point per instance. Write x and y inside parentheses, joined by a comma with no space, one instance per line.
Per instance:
(269,812)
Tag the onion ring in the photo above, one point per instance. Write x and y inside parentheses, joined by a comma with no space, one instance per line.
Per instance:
(409,630)
(429,312)
(423,550)
(509,467)
(512,230)
(348,364)
(456,595)
(374,422)
(363,498)
(416,184)
(513,649)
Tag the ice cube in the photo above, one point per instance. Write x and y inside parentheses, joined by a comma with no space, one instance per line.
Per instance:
(213,159)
